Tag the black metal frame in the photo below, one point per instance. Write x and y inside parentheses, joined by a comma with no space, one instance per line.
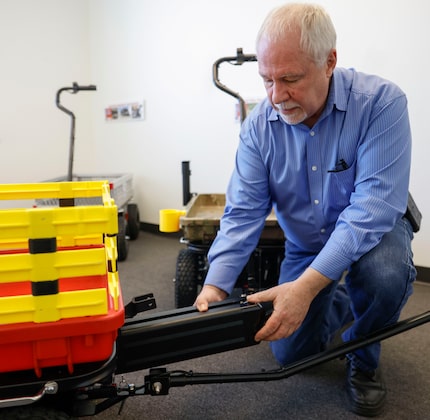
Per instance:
(176,379)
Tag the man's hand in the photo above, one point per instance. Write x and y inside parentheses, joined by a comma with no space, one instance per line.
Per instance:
(207,295)
(291,303)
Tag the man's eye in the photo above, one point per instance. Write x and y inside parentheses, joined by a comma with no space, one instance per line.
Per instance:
(268,82)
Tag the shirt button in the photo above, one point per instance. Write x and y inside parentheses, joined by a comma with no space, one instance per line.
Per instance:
(312,133)
(316,201)
(314,168)
(322,230)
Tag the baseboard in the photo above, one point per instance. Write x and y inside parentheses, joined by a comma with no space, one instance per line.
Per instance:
(423,273)
(151,228)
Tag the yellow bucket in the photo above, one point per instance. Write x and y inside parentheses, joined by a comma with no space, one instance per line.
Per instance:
(169,220)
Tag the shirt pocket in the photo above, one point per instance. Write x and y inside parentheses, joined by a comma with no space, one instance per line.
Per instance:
(340,186)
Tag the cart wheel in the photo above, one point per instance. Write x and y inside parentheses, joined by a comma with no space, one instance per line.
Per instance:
(133,221)
(122,241)
(186,278)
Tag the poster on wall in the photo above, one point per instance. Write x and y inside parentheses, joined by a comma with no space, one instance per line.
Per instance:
(131,111)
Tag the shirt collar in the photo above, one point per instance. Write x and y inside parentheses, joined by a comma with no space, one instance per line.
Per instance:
(338,93)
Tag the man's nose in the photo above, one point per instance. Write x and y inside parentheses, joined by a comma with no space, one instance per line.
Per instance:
(279,93)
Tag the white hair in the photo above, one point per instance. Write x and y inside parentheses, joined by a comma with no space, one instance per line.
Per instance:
(317,32)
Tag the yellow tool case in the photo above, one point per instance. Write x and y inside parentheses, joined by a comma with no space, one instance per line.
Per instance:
(60,298)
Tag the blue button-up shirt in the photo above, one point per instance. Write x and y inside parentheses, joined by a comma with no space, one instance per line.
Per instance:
(336,188)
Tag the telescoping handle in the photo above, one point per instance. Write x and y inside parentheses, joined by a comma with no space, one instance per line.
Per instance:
(75,88)
(72,89)
(236,60)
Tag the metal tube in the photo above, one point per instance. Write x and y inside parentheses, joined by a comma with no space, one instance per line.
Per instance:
(72,130)
(238,60)
(73,89)
(186,194)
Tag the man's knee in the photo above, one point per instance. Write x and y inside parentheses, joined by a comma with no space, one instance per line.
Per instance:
(296,347)
(387,270)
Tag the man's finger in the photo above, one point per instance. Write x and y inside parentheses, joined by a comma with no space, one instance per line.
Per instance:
(202,306)
(264,296)
(270,328)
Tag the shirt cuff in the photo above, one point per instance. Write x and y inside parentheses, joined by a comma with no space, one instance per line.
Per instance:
(220,276)
(331,263)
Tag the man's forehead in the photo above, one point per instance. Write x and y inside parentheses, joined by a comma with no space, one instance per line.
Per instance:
(283,65)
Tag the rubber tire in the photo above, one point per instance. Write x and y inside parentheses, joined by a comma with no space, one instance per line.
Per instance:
(133,221)
(122,240)
(186,278)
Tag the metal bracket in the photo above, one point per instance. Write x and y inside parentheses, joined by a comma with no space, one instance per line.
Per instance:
(140,304)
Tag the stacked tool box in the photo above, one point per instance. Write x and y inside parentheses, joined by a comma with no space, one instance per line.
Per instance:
(60,299)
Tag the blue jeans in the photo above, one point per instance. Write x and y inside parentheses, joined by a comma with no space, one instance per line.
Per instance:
(376,288)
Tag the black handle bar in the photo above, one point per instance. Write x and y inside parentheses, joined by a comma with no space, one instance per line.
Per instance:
(72,89)
(237,60)
(77,88)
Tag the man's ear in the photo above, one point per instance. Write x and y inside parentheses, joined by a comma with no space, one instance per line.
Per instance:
(331,62)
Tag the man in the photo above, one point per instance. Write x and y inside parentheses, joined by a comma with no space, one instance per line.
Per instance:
(329,149)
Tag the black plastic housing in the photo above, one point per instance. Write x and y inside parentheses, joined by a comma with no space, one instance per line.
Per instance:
(182,334)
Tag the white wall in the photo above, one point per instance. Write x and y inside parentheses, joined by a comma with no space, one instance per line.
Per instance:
(43,47)
(162,52)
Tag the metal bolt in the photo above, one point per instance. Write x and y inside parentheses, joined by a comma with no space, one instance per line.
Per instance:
(51,387)
(157,387)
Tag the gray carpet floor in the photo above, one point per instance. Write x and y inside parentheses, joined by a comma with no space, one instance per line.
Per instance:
(317,393)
